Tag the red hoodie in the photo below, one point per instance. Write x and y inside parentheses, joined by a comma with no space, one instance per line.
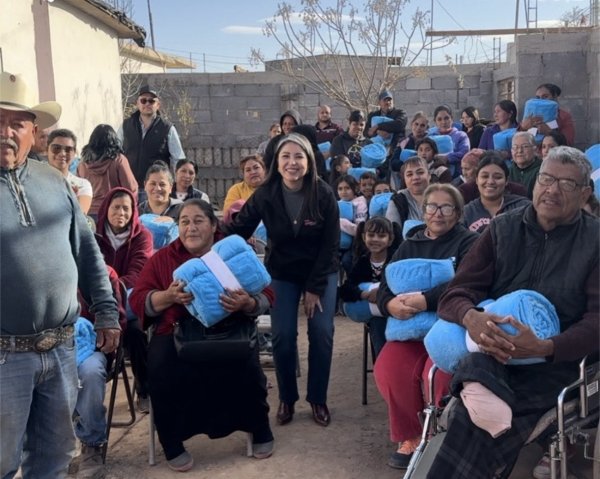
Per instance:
(131,257)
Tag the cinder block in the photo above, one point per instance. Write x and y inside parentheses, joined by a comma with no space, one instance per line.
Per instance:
(221,90)
(444,83)
(418,83)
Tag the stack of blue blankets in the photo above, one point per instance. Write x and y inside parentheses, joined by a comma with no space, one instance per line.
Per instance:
(362,311)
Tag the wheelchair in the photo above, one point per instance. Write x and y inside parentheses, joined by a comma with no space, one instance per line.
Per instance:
(577,411)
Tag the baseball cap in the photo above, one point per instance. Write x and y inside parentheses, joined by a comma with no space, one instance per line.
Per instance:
(385,94)
(146,89)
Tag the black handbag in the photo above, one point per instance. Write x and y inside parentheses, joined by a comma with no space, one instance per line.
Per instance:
(232,339)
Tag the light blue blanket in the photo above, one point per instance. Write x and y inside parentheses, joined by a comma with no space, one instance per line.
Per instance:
(379,204)
(347,212)
(163,232)
(446,342)
(85,339)
(206,284)
(373,155)
(362,311)
(415,275)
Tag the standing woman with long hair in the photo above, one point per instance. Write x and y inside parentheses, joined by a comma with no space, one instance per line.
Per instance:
(105,166)
(300,213)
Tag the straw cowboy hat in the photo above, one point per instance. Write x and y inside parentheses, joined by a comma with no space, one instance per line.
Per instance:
(16,96)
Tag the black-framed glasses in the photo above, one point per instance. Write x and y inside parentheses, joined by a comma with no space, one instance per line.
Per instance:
(565,184)
(56,149)
(143,101)
(521,147)
(446,210)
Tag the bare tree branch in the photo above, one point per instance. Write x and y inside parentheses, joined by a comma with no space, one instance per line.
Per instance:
(344,51)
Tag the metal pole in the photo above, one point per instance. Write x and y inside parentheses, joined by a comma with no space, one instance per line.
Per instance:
(151,25)
(431,41)
(516,21)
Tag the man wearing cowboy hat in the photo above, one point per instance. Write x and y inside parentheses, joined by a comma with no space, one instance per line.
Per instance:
(147,136)
(47,250)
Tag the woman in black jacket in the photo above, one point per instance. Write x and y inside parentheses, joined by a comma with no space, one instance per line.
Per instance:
(401,365)
(301,217)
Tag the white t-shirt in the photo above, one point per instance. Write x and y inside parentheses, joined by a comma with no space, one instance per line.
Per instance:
(81,186)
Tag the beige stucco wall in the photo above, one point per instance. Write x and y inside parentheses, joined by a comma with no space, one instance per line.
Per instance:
(17,40)
(74,56)
(86,67)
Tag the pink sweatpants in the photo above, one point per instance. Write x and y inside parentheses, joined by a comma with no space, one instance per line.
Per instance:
(401,373)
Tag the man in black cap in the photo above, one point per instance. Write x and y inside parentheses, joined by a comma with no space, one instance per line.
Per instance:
(148,137)
(391,131)
(394,128)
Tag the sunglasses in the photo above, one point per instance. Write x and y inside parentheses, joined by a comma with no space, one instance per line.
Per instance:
(56,149)
(143,101)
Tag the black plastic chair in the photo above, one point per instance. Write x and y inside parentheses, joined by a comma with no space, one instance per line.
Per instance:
(365,360)
(117,369)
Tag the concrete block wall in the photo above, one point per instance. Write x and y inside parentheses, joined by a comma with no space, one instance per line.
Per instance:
(571,62)
(229,114)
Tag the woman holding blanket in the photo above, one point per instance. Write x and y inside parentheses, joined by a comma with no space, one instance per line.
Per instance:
(213,398)
(301,217)
(402,365)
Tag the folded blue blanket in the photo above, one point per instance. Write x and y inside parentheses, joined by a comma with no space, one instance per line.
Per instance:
(357,171)
(205,277)
(547,109)
(444,143)
(379,204)
(362,311)
(85,339)
(373,155)
(446,342)
(503,139)
(415,275)
(325,146)
(407,153)
(347,212)
(163,231)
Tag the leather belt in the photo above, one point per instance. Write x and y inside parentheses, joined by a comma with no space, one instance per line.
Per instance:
(39,343)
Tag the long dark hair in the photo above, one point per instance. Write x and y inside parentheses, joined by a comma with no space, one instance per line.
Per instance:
(310,180)
(104,144)
(510,108)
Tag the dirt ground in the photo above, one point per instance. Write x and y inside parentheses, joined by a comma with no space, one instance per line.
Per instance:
(355,445)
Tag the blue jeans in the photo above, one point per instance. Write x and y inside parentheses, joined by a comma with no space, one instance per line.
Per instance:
(90,426)
(284,326)
(37,398)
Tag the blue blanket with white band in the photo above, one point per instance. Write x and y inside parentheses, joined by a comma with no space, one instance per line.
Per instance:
(362,311)
(231,264)
(447,343)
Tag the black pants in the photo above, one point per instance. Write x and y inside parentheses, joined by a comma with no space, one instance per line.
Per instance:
(136,343)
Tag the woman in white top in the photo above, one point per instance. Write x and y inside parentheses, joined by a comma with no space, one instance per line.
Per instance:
(62,147)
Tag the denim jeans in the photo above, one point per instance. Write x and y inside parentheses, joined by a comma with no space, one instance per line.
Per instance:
(37,398)
(284,326)
(90,426)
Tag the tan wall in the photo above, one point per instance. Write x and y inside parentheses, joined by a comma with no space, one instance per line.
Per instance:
(74,57)
(16,27)
(86,67)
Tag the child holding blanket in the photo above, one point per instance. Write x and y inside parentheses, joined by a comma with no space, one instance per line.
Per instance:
(401,365)
(378,236)
(353,210)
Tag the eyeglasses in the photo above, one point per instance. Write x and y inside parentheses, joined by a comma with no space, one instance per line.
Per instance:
(565,184)
(446,210)
(56,149)
(521,147)
(143,101)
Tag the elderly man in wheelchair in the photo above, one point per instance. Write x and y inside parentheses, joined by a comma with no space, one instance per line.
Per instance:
(549,247)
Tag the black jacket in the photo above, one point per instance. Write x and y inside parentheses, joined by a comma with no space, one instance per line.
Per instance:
(141,153)
(306,258)
(453,244)
(344,144)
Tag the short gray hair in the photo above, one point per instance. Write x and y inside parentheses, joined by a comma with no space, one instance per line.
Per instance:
(572,156)
(524,134)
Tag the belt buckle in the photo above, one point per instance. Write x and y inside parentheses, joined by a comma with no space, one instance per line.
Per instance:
(45,342)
